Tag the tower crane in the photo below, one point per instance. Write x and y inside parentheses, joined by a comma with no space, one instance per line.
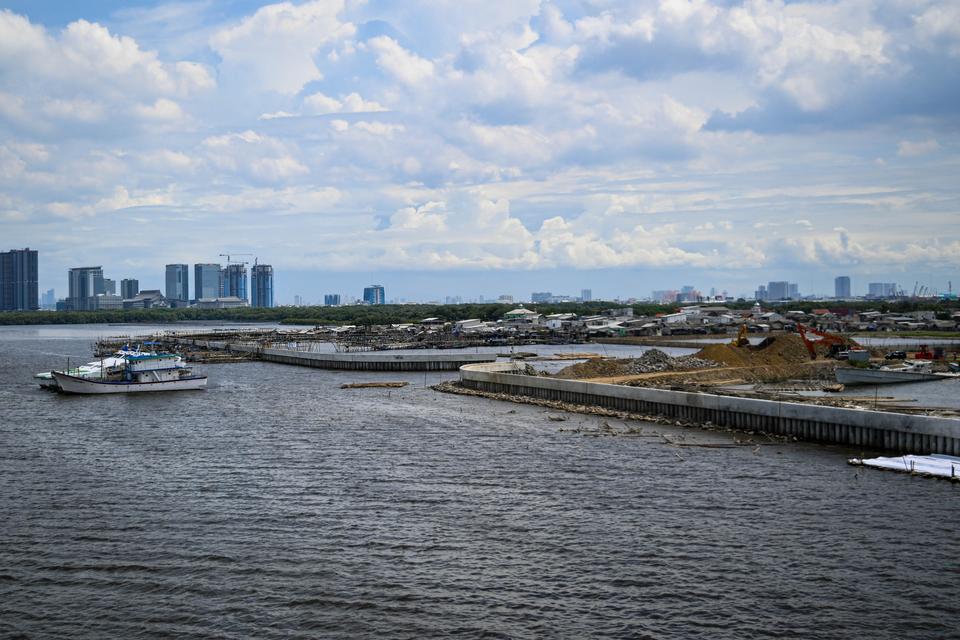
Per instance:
(229,261)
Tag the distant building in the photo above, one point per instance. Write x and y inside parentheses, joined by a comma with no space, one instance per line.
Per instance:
(374,294)
(129,288)
(235,281)
(19,290)
(226,302)
(586,295)
(505,299)
(105,302)
(261,286)
(207,281)
(178,285)
(298,301)
(540,296)
(779,290)
(84,284)
(761,293)
(48,300)
(882,289)
(147,299)
(331,299)
(793,291)
(841,287)
(110,286)
(665,295)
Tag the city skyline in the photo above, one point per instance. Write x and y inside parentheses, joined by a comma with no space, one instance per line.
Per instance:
(546,144)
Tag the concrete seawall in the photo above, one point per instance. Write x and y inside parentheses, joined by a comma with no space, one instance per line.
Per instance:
(868,429)
(354,361)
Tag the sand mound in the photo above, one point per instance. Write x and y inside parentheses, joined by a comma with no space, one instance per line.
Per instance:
(774,351)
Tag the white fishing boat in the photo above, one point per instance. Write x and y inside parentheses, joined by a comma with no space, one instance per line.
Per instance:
(95,368)
(914,371)
(135,374)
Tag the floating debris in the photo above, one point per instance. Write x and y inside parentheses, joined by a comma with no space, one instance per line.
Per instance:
(374,385)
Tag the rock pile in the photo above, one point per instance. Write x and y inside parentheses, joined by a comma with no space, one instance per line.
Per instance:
(655,361)
(652,361)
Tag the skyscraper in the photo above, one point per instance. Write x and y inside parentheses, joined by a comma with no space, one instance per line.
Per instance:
(129,288)
(207,281)
(84,284)
(586,295)
(779,290)
(841,287)
(261,285)
(109,287)
(331,299)
(178,285)
(235,281)
(374,294)
(48,300)
(18,280)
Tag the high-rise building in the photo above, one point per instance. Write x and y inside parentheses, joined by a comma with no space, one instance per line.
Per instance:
(84,284)
(207,281)
(129,288)
(109,287)
(374,294)
(841,287)
(761,293)
(793,291)
(586,295)
(540,296)
(882,289)
(235,281)
(779,290)
(178,285)
(48,300)
(331,299)
(261,286)
(18,280)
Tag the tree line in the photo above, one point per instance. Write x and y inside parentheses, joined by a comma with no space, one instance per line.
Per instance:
(366,315)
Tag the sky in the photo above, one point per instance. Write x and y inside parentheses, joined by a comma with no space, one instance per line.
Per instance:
(464,147)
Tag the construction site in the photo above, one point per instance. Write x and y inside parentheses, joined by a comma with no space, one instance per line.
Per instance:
(799,367)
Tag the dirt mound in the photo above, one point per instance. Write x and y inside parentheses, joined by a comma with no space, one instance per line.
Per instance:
(775,351)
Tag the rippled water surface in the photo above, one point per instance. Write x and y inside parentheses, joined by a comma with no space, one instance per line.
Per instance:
(277,505)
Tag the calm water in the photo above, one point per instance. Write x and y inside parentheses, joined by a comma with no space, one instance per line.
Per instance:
(276,505)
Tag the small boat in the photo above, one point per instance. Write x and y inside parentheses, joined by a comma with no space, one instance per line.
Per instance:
(135,374)
(915,371)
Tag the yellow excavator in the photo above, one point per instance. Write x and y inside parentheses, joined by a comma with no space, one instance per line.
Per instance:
(741,339)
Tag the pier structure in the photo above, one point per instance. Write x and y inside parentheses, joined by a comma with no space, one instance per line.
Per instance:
(871,430)
(351,361)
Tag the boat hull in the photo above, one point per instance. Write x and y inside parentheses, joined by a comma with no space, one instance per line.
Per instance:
(73,384)
(852,376)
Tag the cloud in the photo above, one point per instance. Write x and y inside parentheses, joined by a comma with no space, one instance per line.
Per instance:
(257,157)
(86,80)
(908,149)
(275,47)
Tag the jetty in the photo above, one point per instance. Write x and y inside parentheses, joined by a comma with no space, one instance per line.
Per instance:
(870,430)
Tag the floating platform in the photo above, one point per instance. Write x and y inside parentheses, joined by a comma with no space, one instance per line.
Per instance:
(936,465)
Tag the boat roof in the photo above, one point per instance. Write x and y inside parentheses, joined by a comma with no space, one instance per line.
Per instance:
(151,356)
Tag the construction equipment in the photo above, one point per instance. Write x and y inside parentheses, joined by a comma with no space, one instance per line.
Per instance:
(229,261)
(835,342)
(741,339)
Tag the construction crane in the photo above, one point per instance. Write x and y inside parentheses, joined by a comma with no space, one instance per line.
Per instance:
(230,261)
(835,341)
